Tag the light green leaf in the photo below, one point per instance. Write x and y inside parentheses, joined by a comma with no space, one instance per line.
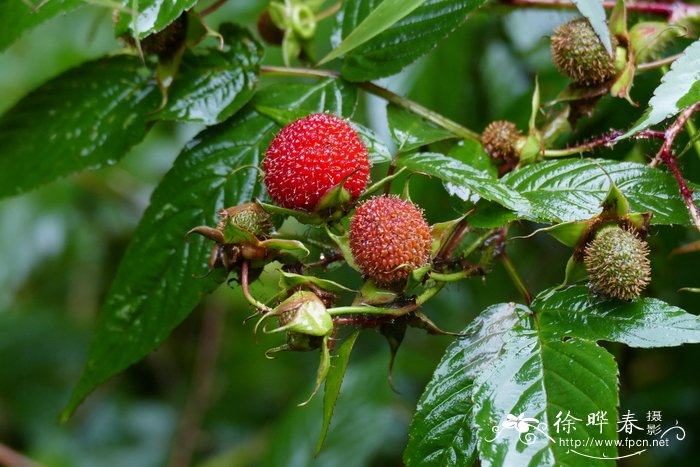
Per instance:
(334,380)
(410,132)
(19,16)
(462,175)
(151,16)
(85,118)
(595,13)
(679,88)
(213,84)
(402,42)
(573,189)
(441,432)
(387,13)
(643,322)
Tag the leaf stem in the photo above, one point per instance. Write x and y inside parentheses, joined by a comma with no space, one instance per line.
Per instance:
(212,8)
(515,277)
(246,290)
(333,9)
(658,63)
(390,96)
(13,459)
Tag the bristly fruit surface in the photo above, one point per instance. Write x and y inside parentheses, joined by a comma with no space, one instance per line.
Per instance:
(578,53)
(312,155)
(389,238)
(617,263)
(499,139)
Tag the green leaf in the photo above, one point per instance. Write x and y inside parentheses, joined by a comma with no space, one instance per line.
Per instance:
(595,13)
(644,322)
(213,84)
(462,175)
(679,88)
(333,382)
(151,16)
(402,42)
(441,432)
(85,118)
(542,380)
(573,189)
(387,13)
(154,289)
(376,149)
(19,16)
(410,132)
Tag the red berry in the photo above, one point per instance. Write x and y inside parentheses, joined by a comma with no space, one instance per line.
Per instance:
(312,155)
(389,238)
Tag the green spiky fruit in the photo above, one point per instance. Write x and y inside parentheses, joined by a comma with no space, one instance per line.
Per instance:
(617,263)
(499,140)
(578,53)
(248,216)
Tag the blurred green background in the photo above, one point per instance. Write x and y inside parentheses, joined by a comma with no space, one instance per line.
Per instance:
(208,396)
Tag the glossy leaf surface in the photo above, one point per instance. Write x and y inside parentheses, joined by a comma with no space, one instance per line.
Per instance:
(18,17)
(151,16)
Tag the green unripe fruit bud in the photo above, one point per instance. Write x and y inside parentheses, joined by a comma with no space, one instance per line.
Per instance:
(500,140)
(617,263)
(249,217)
(578,53)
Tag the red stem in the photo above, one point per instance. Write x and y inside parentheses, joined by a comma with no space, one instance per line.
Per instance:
(666,156)
(674,10)
(212,8)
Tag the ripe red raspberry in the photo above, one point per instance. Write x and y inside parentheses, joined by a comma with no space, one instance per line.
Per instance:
(312,155)
(389,238)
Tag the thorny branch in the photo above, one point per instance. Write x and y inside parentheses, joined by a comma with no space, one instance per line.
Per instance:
(606,140)
(666,156)
(675,11)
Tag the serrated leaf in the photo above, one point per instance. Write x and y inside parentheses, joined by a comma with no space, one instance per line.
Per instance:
(213,84)
(539,380)
(334,381)
(462,175)
(18,16)
(573,189)
(386,13)
(441,432)
(85,118)
(643,322)
(595,14)
(151,16)
(410,132)
(146,301)
(404,41)
(679,88)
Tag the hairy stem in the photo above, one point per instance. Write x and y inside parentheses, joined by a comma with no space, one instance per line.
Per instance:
(658,63)
(674,10)
(390,96)
(607,140)
(515,277)
(665,155)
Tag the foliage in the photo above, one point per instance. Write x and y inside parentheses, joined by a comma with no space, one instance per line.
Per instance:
(498,393)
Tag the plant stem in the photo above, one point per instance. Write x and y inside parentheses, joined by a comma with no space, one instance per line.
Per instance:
(658,63)
(515,277)
(384,93)
(11,458)
(212,8)
(246,290)
(675,10)
(665,155)
(692,131)
(202,385)
(333,9)
(607,140)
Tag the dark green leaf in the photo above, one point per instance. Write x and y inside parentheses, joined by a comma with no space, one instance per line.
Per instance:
(151,16)
(213,84)
(18,16)
(410,132)
(401,44)
(540,379)
(644,322)
(333,382)
(441,431)
(86,118)
(679,88)
(573,189)
(154,289)
(463,176)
